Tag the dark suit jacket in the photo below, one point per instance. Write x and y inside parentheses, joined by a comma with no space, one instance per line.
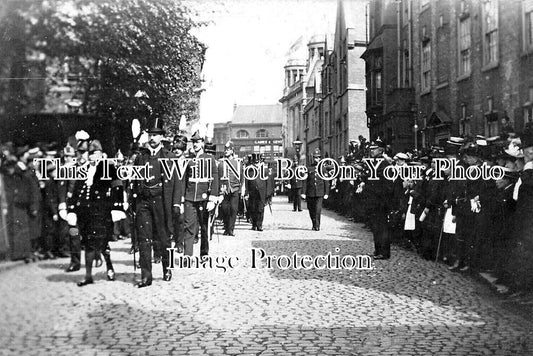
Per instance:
(314,186)
(172,186)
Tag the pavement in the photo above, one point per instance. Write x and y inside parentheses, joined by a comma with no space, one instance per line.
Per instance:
(403,306)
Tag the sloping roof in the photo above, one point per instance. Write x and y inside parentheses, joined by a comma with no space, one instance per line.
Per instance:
(257,114)
(438,119)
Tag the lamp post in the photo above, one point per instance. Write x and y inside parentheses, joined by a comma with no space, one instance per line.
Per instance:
(297,146)
(414,110)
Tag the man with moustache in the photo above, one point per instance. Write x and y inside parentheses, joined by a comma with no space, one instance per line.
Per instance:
(158,197)
(201,193)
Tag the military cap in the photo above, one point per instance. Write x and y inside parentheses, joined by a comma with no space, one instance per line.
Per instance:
(316,152)
(210,148)
(69,151)
(196,137)
(378,143)
(51,149)
(229,146)
(95,145)
(180,142)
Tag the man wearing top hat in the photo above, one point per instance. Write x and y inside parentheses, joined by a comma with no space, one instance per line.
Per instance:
(232,186)
(158,198)
(315,190)
(200,195)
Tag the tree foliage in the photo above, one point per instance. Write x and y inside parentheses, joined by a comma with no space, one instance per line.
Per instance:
(116,49)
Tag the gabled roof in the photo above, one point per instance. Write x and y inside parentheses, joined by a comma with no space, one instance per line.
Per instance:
(438,119)
(257,114)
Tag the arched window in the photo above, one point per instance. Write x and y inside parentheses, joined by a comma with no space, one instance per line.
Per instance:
(261,133)
(242,134)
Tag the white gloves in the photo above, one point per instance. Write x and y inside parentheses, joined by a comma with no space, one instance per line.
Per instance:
(63,214)
(72,219)
(117,215)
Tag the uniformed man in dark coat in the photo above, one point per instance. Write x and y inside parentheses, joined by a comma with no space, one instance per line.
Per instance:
(157,199)
(201,194)
(20,204)
(521,267)
(382,199)
(93,208)
(257,191)
(232,186)
(69,190)
(179,148)
(315,190)
(468,207)
(296,189)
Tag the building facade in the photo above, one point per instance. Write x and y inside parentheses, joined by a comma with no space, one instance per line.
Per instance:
(326,108)
(252,129)
(445,68)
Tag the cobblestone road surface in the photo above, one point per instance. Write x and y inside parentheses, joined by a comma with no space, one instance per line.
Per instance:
(404,306)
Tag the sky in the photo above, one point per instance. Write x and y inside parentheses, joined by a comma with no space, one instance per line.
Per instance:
(249,42)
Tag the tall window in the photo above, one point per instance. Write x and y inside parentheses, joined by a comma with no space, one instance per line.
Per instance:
(261,133)
(406,67)
(492,118)
(426,65)
(528,108)
(464,46)
(528,24)
(242,134)
(464,123)
(490,31)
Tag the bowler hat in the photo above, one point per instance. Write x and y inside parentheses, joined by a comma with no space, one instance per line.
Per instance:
(156,125)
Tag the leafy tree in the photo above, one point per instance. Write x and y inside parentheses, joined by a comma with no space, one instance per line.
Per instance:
(129,58)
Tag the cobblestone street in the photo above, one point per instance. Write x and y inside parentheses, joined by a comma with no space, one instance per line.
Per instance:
(404,306)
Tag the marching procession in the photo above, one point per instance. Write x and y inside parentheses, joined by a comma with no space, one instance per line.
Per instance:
(470,225)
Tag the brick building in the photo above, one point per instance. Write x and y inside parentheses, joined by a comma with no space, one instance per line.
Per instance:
(343,79)
(326,108)
(252,129)
(442,68)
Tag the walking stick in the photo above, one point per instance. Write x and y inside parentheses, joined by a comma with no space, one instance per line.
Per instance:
(135,132)
(440,239)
